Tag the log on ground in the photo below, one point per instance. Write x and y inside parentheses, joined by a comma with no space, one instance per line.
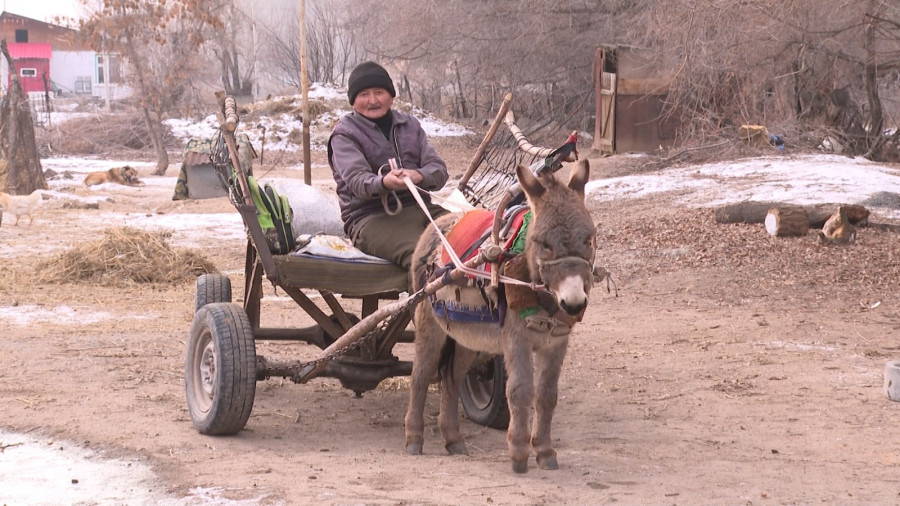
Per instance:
(752,211)
(787,221)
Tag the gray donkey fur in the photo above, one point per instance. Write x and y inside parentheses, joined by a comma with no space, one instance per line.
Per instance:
(560,248)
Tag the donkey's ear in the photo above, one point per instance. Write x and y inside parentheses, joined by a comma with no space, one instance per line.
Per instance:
(533,188)
(579,177)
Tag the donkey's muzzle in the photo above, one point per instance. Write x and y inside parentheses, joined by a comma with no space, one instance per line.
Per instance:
(573,309)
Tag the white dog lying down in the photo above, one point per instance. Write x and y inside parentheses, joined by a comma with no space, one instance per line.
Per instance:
(21,205)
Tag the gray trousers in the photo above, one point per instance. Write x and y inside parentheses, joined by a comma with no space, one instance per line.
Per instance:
(394,238)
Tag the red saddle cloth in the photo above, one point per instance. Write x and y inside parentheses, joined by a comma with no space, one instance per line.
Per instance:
(472,227)
(467,230)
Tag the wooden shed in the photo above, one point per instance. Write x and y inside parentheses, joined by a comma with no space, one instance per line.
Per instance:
(630,92)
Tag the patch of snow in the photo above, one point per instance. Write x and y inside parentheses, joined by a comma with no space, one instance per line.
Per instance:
(64,315)
(85,165)
(38,471)
(808,179)
(278,129)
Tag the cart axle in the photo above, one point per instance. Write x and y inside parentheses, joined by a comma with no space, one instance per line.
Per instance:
(354,374)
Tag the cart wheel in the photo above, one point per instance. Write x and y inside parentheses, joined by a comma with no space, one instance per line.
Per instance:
(220,369)
(211,288)
(483,394)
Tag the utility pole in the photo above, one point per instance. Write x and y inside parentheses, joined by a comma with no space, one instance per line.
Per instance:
(304,85)
(254,87)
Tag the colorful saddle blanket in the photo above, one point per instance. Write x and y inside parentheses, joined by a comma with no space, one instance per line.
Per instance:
(466,237)
(475,227)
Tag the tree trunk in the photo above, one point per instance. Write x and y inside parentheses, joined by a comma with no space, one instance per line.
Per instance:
(752,211)
(153,127)
(787,221)
(162,156)
(461,96)
(876,114)
(23,173)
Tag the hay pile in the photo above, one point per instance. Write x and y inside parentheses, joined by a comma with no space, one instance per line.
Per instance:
(124,256)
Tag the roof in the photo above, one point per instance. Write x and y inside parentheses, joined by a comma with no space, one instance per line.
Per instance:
(37,50)
(24,20)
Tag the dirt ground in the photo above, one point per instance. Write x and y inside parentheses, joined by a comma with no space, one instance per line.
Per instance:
(729,368)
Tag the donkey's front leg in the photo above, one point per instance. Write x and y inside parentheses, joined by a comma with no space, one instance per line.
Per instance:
(519,396)
(448,420)
(548,365)
(429,341)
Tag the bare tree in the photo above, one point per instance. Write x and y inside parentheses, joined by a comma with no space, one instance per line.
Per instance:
(234,47)
(22,171)
(331,48)
(803,67)
(161,42)
(461,57)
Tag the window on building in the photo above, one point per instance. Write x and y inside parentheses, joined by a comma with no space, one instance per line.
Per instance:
(82,84)
(21,35)
(109,69)
(27,72)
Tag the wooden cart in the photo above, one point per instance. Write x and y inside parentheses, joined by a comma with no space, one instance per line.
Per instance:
(221,364)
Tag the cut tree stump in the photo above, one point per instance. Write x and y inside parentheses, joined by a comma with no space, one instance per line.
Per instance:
(787,221)
(820,213)
(838,229)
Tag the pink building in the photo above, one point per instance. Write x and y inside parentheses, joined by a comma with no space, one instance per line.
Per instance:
(32,63)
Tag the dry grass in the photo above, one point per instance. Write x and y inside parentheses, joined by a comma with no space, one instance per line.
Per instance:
(107,134)
(124,256)
(284,105)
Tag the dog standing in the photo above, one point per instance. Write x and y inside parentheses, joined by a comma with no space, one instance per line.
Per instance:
(123,175)
(21,205)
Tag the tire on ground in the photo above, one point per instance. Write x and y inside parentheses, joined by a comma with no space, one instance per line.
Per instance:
(220,369)
(211,288)
(483,394)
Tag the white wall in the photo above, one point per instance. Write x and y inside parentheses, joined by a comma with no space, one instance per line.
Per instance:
(66,66)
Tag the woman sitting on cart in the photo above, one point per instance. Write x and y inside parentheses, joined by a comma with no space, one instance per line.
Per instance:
(380,215)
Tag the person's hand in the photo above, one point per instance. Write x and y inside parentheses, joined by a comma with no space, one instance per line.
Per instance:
(393,180)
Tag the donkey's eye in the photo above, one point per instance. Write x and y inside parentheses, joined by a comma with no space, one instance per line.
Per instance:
(546,246)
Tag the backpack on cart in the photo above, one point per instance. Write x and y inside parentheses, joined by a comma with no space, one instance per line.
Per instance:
(274,213)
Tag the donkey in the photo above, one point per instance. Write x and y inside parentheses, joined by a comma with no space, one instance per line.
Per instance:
(533,332)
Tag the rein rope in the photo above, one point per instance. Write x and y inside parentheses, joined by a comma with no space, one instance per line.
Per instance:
(392,193)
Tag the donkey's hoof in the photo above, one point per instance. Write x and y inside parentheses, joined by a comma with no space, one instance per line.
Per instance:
(520,466)
(457,448)
(547,462)
(414,448)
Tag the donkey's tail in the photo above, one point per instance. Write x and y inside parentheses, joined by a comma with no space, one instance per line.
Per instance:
(445,363)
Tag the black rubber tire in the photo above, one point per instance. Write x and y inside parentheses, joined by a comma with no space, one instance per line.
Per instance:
(220,369)
(211,288)
(483,394)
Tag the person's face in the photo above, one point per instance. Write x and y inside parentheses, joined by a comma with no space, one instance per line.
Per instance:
(373,103)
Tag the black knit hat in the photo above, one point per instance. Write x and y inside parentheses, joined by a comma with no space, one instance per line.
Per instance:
(368,75)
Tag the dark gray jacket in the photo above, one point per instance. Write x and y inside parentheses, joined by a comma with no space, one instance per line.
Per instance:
(356,151)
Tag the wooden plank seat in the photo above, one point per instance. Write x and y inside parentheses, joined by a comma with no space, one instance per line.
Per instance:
(346,277)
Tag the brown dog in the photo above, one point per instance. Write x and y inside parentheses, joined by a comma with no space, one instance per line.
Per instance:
(123,175)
